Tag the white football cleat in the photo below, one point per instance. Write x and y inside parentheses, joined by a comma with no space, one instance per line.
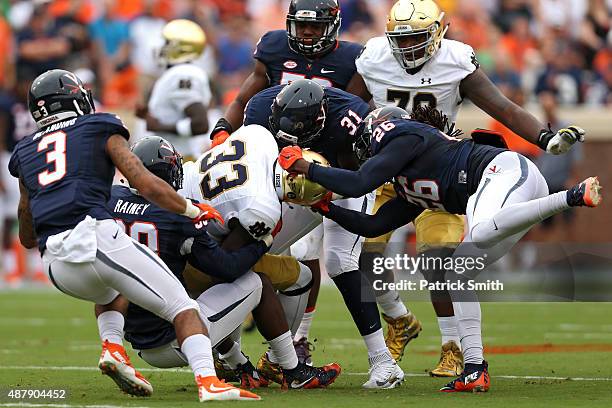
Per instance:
(384,372)
(213,389)
(115,363)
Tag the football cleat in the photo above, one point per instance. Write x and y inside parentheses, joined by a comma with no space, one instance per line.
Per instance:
(384,372)
(303,348)
(475,378)
(115,363)
(225,372)
(305,376)
(268,370)
(451,361)
(399,332)
(585,194)
(249,377)
(213,389)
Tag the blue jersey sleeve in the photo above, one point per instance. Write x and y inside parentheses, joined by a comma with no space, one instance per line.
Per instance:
(345,113)
(208,257)
(259,108)
(392,215)
(372,174)
(13,165)
(270,46)
(112,124)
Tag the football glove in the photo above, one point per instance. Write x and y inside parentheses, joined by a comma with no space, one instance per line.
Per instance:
(322,206)
(562,141)
(207,213)
(222,126)
(288,156)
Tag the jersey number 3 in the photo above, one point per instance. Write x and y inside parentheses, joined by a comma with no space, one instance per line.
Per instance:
(57,157)
(225,182)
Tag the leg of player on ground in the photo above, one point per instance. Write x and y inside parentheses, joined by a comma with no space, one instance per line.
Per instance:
(124,266)
(342,251)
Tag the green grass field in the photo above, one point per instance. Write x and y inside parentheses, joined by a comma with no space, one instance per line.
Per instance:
(542,355)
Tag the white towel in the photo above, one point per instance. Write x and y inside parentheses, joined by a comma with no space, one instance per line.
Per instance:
(78,245)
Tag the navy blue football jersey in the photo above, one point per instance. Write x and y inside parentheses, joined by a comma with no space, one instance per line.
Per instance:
(164,233)
(67,172)
(345,112)
(285,65)
(439,171)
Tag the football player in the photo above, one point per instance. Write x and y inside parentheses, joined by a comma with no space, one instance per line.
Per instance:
(242,178)
(501,192)
(308,48)
(326,121)
(414,65)
(177,107)
(65,172)
(224,306)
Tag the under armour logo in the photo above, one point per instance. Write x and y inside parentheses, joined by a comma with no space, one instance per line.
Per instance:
(423,81)
(259,230)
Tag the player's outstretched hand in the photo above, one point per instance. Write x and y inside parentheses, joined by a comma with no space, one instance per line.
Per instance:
(288,156)
(562,141)
(207,213)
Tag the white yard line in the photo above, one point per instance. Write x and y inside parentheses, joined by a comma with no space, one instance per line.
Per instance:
(185,370)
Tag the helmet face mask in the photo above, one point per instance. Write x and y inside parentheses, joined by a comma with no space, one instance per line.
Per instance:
(161,158)
(299,113)
(415,31)
(184,41)
(58,95)
(312,26)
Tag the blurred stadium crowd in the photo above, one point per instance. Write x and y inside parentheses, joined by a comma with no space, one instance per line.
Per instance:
(554,52)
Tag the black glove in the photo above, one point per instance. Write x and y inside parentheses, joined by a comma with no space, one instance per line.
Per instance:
(222,126)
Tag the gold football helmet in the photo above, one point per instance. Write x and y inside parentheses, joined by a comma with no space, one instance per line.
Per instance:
(414,31)
(184,42)
(296,188)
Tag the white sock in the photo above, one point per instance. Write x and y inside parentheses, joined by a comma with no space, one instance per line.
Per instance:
(282,351)
(199,354)
(468,323)
(375,342)
(304,329)
(449,330)
(234,356)
(110,327)
(391,304)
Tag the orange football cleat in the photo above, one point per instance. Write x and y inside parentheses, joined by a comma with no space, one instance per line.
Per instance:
(213,389)
(115,363)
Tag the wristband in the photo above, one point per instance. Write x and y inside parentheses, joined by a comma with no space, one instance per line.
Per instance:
(183,127)
(191,210)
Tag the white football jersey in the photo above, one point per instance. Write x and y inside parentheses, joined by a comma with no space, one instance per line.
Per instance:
(437,82)
(177,88)
(237,178)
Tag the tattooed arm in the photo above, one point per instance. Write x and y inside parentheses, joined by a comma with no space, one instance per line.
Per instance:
(27,235)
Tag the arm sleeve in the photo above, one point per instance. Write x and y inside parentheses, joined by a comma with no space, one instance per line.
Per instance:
(207,256)
(114,125)
(372,174)
(13,165)
(392,215)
